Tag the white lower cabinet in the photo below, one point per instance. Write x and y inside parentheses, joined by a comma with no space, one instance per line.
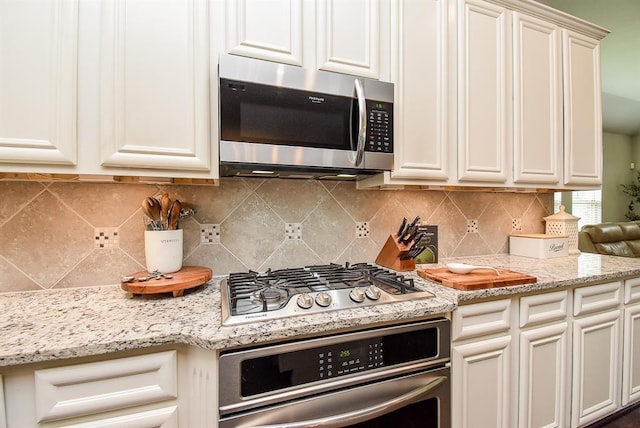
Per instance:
(84,389)
(122,391)
(566,358)
(481,383)
(543,367)
(596,367)
(481,361)
(631,342)
(3,413)
(543,376)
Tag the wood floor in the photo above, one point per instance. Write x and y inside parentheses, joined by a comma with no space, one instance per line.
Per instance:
(629,419)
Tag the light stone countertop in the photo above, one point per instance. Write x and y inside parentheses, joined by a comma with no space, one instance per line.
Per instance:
(59,324)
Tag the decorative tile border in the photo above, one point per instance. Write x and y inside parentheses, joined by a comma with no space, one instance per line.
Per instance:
(293,231)
(106,237)
(362,229)
(209,233)
(516,224)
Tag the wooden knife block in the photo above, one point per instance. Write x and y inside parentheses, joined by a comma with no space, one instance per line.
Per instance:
(390,255)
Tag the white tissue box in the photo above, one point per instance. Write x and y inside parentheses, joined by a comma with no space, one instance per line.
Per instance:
(539,246)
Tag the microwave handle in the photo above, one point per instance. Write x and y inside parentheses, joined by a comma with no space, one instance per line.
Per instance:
(368,413)
(362,121)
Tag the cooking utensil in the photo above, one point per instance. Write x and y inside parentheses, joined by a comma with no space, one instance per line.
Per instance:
(411,237)
(165,204)
(411,229)
(151,208)
(464,268)
(414,222)
(174,215)
(412,253)
(401,229)
(418,238)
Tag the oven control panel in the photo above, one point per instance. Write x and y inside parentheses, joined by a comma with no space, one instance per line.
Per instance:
(343,360)
(278,368)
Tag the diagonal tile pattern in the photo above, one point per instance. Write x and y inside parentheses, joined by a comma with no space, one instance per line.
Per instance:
(47,229)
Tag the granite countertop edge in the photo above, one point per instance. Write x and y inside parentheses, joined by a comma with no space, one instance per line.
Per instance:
(53,325)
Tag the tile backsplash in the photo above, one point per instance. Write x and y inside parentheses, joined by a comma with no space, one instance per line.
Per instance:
(70,234)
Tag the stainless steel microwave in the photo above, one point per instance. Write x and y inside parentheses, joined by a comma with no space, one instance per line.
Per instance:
(288,121)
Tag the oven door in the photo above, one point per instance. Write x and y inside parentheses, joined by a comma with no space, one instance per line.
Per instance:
(418,400)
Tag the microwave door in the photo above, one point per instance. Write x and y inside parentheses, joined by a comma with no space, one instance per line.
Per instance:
(279,116)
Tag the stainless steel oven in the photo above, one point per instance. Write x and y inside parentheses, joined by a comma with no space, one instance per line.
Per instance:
(282,120)
(371,378)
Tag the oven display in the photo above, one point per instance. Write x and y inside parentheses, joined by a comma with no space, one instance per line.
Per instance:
(274,372)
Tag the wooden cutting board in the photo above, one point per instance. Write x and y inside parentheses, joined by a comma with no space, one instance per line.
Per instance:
(476,280)
(185,278)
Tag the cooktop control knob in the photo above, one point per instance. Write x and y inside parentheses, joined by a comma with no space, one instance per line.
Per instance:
(357,295)
(323,299)
(372,292)
(304,301)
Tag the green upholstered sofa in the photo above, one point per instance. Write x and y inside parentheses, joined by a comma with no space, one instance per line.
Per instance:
(616,238)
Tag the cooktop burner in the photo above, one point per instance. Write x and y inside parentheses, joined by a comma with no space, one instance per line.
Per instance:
(251,296)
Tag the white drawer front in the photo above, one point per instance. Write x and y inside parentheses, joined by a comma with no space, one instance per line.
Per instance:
(84,389)
(543,308)
(632,290)
(480,319)
(596,298)
(166,417)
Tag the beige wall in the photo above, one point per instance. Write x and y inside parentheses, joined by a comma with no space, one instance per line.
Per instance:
(55,234)
(618,153)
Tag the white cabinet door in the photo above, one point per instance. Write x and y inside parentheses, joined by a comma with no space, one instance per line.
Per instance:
(481,383)
(154,100)
(342,36)
(38,82)
(631,355)
(270,30)
(544,360)
(484,92)
(352,36)
(420,74)
(537,101)
(3,413)
(596,367)
(582,110)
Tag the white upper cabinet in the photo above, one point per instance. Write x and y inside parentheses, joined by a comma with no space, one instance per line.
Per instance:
(343,36)
(582,110)
(537,101)
(38,72)
(109,88)
(270,30)
(352,37)
(420,76)
(154,85)
(484,92)
(524,111)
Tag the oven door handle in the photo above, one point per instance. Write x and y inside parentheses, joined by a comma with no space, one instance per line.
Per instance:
(367,413)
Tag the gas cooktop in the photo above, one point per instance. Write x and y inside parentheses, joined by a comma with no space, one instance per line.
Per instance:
(252,296)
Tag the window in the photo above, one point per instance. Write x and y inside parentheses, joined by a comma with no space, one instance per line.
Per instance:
(587,205)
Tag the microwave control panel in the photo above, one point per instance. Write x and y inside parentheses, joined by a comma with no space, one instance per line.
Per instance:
(379,127)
